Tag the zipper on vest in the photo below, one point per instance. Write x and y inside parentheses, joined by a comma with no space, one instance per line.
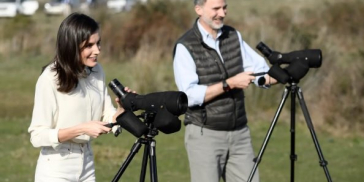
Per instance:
(204,119)
(218,66)
(235,112)
(226,77)
(231,95)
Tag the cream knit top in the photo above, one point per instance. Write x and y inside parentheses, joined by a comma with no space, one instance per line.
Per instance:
(54,110)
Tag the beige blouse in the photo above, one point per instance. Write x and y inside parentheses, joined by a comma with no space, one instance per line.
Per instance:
(54,110)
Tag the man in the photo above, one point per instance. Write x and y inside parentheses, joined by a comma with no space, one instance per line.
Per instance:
(212,65)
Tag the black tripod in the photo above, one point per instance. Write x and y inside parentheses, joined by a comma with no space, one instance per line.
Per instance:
(294,89)
(149,151)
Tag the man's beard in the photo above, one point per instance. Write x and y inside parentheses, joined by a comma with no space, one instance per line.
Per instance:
(213,25)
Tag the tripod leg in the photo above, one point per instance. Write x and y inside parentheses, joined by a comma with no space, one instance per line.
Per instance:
(323,162)
(293,156)
(266,140)
(153,161)
(133,151)
(145,161)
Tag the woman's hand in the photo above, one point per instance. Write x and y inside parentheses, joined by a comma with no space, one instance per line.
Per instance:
(95,128)
(120,109)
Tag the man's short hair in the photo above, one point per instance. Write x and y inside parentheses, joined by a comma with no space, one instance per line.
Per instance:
(199,2)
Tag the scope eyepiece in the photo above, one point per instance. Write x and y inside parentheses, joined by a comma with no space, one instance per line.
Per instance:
(264,49)
(117,88)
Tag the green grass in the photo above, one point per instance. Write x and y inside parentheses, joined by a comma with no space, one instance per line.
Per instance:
(20,67)
(18,157)
(344,156)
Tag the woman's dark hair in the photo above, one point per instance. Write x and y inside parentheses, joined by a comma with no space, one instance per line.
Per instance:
(73,31)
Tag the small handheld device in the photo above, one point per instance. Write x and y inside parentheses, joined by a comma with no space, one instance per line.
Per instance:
(259,74)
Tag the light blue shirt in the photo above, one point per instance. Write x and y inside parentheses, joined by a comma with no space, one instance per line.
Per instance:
(184,66)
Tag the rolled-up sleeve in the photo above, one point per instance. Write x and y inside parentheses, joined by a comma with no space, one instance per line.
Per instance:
(42,128)
(186,77)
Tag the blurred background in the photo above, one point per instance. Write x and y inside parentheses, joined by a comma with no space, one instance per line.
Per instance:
(137,43)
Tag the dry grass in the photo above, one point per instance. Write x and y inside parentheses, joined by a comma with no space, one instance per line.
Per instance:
(143,40)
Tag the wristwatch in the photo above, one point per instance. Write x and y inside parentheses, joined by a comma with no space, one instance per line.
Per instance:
(225,86)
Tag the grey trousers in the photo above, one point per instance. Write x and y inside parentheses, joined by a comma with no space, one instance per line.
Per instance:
(219,154)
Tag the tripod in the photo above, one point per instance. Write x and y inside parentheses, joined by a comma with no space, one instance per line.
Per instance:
(149,151)
(294,89)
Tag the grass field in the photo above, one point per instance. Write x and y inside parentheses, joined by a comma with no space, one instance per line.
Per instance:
(18,157)
(344,156)
(334,26)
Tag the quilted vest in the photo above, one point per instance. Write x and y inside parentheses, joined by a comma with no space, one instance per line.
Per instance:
(227,111)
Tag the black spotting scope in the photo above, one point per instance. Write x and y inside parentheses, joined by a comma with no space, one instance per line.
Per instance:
(299,63)
(166,106)
(311,57)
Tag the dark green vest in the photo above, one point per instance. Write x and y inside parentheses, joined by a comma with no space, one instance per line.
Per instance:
(227,111)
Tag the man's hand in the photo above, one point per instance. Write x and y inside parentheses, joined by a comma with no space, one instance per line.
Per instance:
(241,80)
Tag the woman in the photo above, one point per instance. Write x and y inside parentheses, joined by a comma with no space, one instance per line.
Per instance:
(71,100)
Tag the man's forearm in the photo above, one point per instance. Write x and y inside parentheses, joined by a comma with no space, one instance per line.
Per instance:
(213,91)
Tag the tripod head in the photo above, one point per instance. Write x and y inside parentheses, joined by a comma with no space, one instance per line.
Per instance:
(148,118)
